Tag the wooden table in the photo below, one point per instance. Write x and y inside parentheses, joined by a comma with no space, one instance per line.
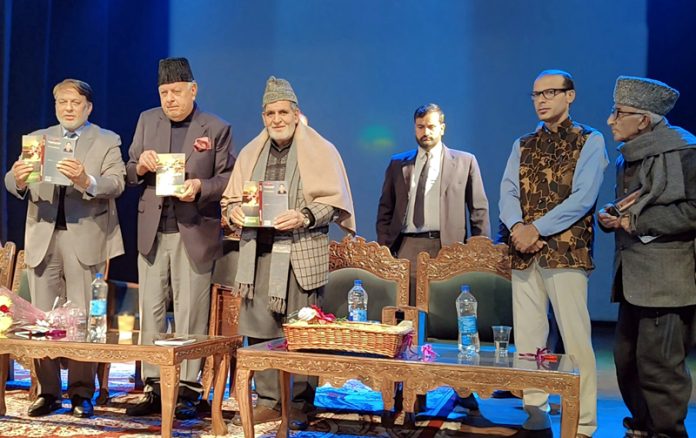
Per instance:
(482,375)
(168,358)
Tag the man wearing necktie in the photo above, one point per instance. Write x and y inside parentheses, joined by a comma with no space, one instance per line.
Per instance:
(428,193)
(71,231)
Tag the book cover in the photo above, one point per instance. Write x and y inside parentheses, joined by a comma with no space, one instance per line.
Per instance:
(55,150)
(263,201)
(32,153)
(274,201)
(251,201)
(171,174)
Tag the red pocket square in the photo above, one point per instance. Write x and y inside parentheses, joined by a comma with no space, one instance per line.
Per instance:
(202,144)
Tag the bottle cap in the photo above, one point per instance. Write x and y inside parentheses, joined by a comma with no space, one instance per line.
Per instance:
(464,288)
(99,275)
(357,283)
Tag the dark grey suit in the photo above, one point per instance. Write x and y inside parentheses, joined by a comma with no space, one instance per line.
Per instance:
(180,262)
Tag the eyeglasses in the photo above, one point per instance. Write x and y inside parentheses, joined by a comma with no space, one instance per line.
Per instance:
(617,113)
(549,93)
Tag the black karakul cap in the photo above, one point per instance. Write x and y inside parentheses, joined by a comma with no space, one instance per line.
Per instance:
(174,70)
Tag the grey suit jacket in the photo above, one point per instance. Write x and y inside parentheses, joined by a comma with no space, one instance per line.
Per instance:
(91,219)
(198,221)
(461,192)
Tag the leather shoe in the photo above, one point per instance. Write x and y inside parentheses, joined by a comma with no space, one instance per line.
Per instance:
(185,409)
(150,404)
(262,414)
(82,407)
(298,420)
(44,405)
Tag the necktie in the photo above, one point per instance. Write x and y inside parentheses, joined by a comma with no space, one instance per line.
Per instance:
(419,205)
(60,219)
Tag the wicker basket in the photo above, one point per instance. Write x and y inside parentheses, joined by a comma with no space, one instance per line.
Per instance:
(376,339)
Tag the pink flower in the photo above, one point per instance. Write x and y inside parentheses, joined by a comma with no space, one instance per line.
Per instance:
(202,144)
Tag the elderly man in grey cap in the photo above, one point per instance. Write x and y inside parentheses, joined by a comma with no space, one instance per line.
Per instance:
(654,225)
(179,237)
(285,267)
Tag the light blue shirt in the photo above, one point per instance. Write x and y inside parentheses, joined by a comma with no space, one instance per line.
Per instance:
(92,180)
(587,179)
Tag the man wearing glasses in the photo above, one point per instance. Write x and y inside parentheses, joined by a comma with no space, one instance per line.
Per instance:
(654,258)
(547,200)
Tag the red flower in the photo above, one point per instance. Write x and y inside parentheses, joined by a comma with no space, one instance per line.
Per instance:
(323,317)
(4,309)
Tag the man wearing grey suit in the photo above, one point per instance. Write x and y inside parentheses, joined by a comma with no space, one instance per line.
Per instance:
(71,231)
(654,259)
(285,267)
(179,237)
(427,194)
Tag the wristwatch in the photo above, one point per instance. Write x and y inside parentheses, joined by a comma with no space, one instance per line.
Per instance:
(306,221)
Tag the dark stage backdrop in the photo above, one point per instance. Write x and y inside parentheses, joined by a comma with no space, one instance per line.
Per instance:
(360,68)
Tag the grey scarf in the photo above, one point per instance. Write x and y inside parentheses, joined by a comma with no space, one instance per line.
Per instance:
(661,176)
(282,243)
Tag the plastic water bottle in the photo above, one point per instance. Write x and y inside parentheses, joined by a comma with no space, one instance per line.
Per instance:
(357,302)
(466,319)
(97,309)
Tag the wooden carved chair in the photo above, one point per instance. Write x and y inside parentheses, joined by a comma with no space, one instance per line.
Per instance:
(485,267)
(20,286)
(7,263)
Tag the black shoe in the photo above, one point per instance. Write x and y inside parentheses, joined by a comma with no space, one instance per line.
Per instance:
(82,407)
(298,420)
(468,402)
(633,430)
(44,405)
(150,404)
(185,409)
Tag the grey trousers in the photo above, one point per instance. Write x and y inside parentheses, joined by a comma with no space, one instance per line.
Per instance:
(409,250)
(169,274)
(259,324)
(60,273)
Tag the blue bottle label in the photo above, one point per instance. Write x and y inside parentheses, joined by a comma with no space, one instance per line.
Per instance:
(467,325)
(358,315)
(97,308)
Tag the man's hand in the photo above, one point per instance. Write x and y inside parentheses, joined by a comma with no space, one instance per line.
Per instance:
(289,220)
(74,171)
(610,221)
(535,247)
(524,237)
(191,189)
(237,216)
(146,163)
(21,171)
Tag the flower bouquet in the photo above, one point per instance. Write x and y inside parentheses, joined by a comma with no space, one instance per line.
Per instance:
(315,330)
(15,311)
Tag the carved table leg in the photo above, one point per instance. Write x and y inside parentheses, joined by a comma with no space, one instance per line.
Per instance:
(409,405)
(570,412)
(285,406)
(220,366)
(169,386)
(207,377)
(242,384)
(4,366)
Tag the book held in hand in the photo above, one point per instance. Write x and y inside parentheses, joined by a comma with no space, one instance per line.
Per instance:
(263,201)
(171,174)
(57,149)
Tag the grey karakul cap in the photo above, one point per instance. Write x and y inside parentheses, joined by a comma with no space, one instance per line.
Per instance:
(278,89)
(646,94)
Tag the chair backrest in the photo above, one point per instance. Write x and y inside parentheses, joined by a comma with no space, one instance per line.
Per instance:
(385,278)
(20,283)
(7,262)
(485,267)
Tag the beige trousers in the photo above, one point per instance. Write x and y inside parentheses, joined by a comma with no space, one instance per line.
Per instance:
(566,289)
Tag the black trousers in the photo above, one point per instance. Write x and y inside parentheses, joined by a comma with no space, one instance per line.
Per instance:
(650,352)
